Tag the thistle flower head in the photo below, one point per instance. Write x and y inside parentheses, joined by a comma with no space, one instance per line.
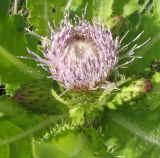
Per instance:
(81,56)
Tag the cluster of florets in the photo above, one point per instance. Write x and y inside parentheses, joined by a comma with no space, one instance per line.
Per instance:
(82,56)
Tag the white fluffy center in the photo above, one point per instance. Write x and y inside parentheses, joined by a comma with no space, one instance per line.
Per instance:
(81,50)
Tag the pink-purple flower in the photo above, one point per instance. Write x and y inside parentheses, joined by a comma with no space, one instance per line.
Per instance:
(81,56)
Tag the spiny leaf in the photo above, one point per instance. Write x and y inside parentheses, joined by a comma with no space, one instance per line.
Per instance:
(79,145)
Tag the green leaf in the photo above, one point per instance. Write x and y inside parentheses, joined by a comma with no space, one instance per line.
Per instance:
(79,7)
(137,136)
(148,22)
(76,4)
(4,150)
(15,149)
(43,11)
(103,9)
(130,7)
(12,112)
(125,7)
(149,52)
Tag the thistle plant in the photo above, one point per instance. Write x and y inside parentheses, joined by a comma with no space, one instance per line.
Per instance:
(89,106)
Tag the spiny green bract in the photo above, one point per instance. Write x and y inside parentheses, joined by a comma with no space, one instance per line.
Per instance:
(36,96)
